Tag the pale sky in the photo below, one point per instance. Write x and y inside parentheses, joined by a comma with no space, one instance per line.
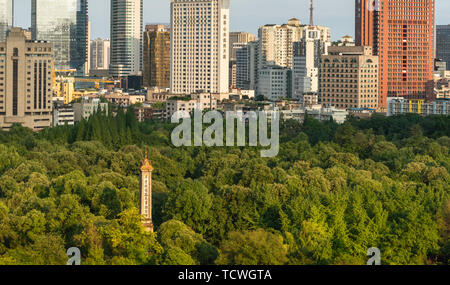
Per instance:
(246,15)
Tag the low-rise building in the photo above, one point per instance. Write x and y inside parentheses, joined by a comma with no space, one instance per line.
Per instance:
(187,104)
(77,94)
(347,41)
(317,112)
(440,67)
(88,107)
(362,113)
(124,99)
(400,105)
(158,95)
(63,114)
(64,87)
(243,94)
(310,99)
(442,88)
(274,82)
(148,112)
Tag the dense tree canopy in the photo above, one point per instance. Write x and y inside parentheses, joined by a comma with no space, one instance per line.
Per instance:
(332,192)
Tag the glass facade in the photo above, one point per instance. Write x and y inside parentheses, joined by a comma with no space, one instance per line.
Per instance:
(126,37)
(6,17)
(443,43)
(65,24)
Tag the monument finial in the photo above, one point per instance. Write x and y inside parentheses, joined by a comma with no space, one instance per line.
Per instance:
(146,165)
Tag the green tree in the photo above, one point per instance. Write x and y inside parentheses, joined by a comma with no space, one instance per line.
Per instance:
(253,248)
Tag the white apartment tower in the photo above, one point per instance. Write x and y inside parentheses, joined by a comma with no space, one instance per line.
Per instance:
(306,60)
(199,46)
(126,37)
(276,42)
(100,53)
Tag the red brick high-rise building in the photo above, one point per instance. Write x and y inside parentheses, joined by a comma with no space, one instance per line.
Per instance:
(365,23)
(401,33)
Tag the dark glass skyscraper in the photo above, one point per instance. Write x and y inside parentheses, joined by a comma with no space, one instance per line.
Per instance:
(6,17)
(443,43)
(65,24)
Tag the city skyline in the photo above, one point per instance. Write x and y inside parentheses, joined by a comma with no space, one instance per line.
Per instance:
(325,14)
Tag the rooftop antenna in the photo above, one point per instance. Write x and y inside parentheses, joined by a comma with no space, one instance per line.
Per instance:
(311,14)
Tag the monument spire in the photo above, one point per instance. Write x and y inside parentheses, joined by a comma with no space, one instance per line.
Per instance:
(146,193)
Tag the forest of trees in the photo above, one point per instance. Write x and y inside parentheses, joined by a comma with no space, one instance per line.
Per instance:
(332,192)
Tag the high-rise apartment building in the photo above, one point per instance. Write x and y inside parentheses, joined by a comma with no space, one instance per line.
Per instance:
(348,78)
(26,70)
(199,46)
(87,63)
(401,32)
(301,82)
(126,37)
(306,58)
(243,67)
(100,53)
(156,56)
(232,72)
(443,43)
(239,67)
(65,24)
(276,42)
(236,40)
(253,64)
(6,17)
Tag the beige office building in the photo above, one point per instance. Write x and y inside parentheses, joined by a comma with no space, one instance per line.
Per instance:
(199,46)
(26,69)
(348,78)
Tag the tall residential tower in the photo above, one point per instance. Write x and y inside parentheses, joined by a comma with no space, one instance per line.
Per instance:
(305,62)
(126,37)
(100,53)
(443,43)
(199,46)
(401,33)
